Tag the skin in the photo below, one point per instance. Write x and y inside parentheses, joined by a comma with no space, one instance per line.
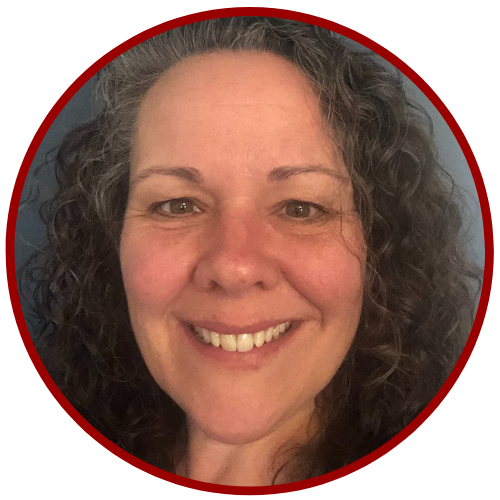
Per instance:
(239,256)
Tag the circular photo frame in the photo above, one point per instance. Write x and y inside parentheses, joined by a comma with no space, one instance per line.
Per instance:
(356,38)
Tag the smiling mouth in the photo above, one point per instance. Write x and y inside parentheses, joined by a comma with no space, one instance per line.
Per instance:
(243,342)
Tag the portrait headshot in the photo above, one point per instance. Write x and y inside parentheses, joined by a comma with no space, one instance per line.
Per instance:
(246,254)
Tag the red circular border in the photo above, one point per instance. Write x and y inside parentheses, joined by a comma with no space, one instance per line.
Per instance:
(342,30)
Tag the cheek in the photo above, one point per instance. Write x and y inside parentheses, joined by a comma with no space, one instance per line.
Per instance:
(155,266)
(328,271)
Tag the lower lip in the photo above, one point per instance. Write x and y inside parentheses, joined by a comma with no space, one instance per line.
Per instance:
(250,360)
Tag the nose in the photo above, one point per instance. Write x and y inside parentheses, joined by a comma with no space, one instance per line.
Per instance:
(236,258)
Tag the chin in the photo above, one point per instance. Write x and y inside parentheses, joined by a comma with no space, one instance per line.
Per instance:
(246,419)
(233,432)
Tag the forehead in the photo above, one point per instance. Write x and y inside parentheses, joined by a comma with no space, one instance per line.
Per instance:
(232,78)
(231,107)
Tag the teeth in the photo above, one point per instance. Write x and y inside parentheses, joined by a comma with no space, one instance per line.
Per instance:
(215,339)
(228,342)
(268,334)
(244,342)
(258,338)
(206,336)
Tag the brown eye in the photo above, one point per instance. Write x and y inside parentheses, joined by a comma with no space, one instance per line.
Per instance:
(180,206)
(298,209)
(303,211)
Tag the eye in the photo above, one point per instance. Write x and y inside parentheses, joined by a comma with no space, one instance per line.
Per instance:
(302,209)
(178,206)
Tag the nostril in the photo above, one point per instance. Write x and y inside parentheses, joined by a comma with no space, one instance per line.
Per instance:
(235,268)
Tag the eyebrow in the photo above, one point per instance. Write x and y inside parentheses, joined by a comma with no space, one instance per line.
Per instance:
(283,173)
(187,173)
(278,174)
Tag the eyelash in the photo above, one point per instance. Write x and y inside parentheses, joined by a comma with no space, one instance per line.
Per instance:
(158,207)
(321,211)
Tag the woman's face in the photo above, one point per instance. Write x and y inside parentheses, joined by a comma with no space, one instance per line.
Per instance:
(240,218)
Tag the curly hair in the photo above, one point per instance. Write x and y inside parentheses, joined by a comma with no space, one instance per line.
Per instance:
(419,291)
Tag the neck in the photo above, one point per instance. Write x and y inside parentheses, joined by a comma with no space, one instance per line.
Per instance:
(253,463)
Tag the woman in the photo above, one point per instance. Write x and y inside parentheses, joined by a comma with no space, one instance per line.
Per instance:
(254,272)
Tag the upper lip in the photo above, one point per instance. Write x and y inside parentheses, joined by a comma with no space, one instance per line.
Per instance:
(224,329)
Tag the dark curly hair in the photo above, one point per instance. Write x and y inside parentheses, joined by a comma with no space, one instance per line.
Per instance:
(420,289)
